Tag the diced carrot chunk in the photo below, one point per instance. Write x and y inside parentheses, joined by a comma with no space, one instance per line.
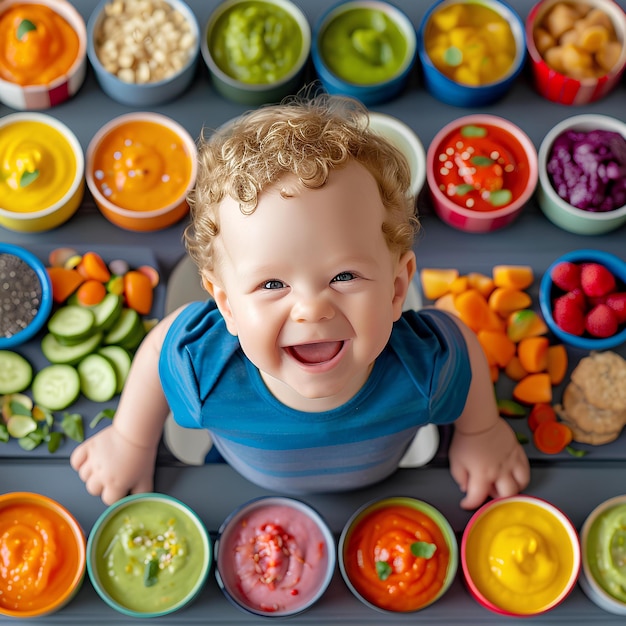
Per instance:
(533,353)
(497,346)
(514,276)
(64,282)
(515,370)
(557,363)
(534,388)
(506,300)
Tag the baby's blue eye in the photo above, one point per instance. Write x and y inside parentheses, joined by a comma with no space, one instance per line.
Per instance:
(343,276)
(273,284)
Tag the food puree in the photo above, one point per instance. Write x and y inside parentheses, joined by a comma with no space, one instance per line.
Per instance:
(37,166)
(39,557)
(273,559)
(520,557)
(606,551)
(470,43)
(37,45)
(397,558)
(480,167)
(149,556)
(363,46)
(256,42)
(142,166)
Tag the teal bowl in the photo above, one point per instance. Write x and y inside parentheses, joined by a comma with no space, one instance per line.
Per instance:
(148,555)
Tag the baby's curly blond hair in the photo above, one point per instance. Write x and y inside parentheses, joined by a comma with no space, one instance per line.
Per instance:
(304,137)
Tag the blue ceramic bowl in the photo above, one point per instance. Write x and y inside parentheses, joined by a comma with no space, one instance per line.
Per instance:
(164,532)
(364,12)
(464,94)
(547,292)
(255,93)
(14,252)
(143,94)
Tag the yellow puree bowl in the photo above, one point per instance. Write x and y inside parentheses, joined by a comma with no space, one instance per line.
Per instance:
(41,172)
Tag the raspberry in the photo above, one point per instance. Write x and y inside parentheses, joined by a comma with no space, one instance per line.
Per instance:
(617,301)
(568,316)
(566,275)
(596,280)
(601,321)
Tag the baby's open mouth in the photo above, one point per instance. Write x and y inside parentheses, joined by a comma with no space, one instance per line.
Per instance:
(313,353)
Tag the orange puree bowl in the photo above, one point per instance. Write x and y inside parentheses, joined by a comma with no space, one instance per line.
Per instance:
(43,555)
(139,169)
(394,544)
(275,557)
(481,170)
(520,556)
(43,58)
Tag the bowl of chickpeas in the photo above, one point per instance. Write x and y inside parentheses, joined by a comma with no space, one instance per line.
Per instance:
(143,52)
(577,49)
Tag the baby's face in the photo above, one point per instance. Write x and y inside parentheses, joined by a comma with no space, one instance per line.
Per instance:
(310,287)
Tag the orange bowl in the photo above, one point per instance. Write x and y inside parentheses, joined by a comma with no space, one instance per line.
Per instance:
(139,169)
(43,549)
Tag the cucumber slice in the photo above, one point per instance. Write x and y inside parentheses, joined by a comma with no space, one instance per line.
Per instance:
(55,387)
(16,372)
(127,332)
(98,380)
(56,352)
(107,311)
(72,324)
(121,360)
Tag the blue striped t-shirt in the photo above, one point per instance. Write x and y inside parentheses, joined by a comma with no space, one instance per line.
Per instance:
(422,376)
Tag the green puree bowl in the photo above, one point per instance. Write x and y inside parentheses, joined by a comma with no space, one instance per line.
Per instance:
(148,555)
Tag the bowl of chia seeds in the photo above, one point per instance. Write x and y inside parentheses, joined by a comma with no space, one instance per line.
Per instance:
(25,295)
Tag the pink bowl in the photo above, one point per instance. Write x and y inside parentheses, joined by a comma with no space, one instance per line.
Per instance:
(451,200)
(37,97)
(563,89)
(520,556)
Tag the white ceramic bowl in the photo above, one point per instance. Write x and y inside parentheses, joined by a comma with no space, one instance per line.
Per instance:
(60,88)
(558,210)
(597,555)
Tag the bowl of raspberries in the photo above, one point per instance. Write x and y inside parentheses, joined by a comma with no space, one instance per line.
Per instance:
(582,296)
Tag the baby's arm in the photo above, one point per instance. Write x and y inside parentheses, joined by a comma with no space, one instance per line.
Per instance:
(120,459)
(485,457)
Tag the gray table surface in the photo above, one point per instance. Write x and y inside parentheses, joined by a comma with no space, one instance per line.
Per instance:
(575,485)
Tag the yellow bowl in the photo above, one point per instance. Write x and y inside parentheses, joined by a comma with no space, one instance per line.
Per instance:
(41,172)
(147,189)
(46,546)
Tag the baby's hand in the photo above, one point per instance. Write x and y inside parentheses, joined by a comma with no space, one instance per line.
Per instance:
(111,466)
(488,464)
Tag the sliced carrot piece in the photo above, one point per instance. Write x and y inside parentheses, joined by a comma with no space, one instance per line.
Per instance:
(91,292)
(436,282)
(515,276)
(64,282)
(506,300)
(138,291)
(497,346)
(534,388)
(515,370)
(557,363)
(475,312)
(94,266)
(539,413)
(552,437)
(533,353)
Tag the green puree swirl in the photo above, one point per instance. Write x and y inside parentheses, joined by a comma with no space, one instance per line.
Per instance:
(149,557)
(363,46)
(256,42)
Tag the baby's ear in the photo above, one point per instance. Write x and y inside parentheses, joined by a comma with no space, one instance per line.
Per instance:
(221,299)
(405,270)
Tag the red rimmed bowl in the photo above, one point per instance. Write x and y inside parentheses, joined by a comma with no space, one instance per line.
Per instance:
(43,547)
(565,68)
(520,556)
(35,77)
(139,169)
(481,170)
(398,543)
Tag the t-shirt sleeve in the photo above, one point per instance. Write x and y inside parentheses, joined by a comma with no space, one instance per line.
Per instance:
(439,362)
(191,360)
